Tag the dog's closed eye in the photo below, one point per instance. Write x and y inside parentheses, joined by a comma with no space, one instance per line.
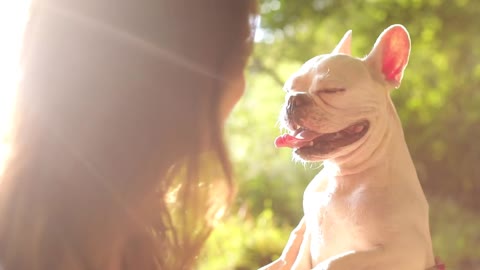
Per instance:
(331,91)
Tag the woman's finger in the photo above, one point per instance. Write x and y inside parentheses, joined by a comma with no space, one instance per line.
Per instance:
(290,252)
(292,247)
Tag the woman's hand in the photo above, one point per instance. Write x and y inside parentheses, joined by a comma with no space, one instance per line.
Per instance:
(288,259)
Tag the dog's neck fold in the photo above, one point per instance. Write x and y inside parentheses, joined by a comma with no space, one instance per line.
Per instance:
(383,145)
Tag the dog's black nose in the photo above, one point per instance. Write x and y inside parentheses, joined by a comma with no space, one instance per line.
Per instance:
(298,100)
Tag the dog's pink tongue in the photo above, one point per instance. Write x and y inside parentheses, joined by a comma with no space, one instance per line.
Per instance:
(300,140)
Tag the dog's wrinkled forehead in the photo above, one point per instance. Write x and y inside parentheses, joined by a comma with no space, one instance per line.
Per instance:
(327,69)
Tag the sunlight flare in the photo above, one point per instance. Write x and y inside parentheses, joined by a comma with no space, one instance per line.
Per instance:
(13,19)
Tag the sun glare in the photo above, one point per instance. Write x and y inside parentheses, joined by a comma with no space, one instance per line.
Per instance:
(13,19)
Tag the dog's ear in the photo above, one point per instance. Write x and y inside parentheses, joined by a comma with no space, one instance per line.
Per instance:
(389,55)
(344,46)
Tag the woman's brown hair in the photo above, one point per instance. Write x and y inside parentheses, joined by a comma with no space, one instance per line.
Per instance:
(118,160)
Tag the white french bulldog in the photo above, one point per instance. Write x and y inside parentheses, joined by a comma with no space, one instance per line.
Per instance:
(366,208)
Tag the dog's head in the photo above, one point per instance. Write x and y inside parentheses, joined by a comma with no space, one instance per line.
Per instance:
(335,101)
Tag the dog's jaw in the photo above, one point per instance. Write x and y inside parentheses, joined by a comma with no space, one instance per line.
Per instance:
(327,145)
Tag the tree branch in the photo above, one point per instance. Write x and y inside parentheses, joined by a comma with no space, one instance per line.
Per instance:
(258,64)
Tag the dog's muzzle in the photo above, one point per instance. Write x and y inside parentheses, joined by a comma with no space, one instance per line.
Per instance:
(293,108)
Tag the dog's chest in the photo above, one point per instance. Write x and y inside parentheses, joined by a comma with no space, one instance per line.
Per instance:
(337,221)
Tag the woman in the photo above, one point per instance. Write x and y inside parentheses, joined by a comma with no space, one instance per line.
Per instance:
(118,158)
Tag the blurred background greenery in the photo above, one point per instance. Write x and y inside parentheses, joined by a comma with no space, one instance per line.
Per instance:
(438,102)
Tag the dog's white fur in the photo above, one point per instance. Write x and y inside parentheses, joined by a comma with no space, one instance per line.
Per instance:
(366,208)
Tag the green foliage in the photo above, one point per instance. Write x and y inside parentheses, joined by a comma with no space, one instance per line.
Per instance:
(245,243)
(455,234)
